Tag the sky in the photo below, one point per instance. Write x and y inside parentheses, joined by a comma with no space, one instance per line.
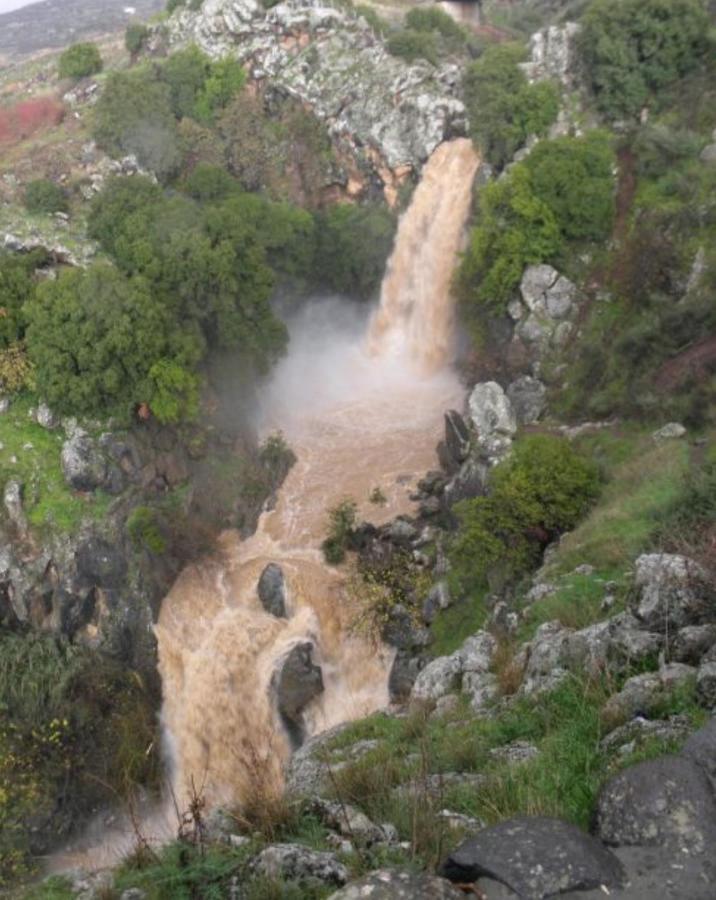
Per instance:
(8,5)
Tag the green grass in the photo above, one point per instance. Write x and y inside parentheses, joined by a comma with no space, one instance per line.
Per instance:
(643,481)
(453,625)
(49,502)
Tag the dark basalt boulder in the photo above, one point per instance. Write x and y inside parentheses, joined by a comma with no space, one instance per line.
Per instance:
(666,802)
(297,682)
(535,857)
(398,884)
(272,591)
(457,436)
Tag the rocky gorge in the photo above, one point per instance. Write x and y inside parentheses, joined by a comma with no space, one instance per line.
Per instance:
(450,630)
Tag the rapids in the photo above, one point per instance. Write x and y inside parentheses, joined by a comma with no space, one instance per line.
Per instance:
(361,403)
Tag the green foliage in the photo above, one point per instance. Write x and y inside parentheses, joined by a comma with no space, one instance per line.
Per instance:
(134,115)
(173,392)
(16,370)
(574,177)
(44,196)
(515,228)
(376,22)
(504,108)
(354,243)
(135,37)
(185,73)
(17,287)
(76,728)
(341,522)
(433,19)
(634,48)
(79,61)
(411,45)
(539,492)
(223,82)
(145,531)
(93,337)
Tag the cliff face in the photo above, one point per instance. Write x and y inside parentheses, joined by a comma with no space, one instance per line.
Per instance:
(384,113)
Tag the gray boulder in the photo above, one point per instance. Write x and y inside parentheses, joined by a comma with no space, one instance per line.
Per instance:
(662,802)
(349,822)
(528,397)
(552,302)
(693,642)
(440,677)
(516,753)
(672,591)
(554,54)
(457,436)
(469,481)
(706,684)
(272,590)
(630,736)
(398,884)
(403,673)
(46,418)
(296,683)
(535,857)
(12,501)
(493,418)
(640,694)
(669,431)
(293,862)
(700,748)
(83,463)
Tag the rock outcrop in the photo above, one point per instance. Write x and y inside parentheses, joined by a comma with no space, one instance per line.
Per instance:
(398,884)
(297,681)
(387,114)
(293,862)
(272,591)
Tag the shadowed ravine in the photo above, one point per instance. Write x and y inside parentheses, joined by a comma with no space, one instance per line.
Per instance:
(360,409)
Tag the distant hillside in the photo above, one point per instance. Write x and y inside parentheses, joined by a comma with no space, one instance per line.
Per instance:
(57,23)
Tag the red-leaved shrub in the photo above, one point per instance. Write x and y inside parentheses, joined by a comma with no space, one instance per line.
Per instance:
(24,119)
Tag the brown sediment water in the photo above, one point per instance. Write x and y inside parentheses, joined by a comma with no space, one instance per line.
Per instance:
(361,404)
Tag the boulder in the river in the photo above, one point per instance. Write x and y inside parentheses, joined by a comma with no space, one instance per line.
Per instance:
(293,862)
(297,682)
(536,857)
(457,436)
(398,884)
(272,591)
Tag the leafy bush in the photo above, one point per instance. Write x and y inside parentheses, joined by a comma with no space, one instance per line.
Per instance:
(634,48)
(77,730)
(135,37)
(20,121)
(134,115)
(515,228)
(574,177)
(540,491)
(16,371)
(79,61)
(411,45)
(145,531)
(44,196)
(354,243)
(17,286)
(378,24)
(341,522)
(434,19)
(504,109)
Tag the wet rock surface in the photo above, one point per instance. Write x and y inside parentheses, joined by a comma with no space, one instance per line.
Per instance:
(297,681)
(535,857)
(272,591)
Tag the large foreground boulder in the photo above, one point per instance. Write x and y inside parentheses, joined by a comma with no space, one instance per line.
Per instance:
(666,802)
(535,857)
(493,418)
(398,884)
(672,591)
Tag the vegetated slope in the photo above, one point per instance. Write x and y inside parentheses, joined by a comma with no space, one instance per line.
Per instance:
(57,23)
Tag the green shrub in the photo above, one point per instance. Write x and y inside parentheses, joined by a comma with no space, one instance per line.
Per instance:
(433,19)
(354,243)
(635,48)
(17,287)
(134,115)
(44,196)
(411,45)
(145,530)
(542,490)
(504,109)
(575,178)
(514,229)
(79,61)
(378,24)
(341,522)
(135,37)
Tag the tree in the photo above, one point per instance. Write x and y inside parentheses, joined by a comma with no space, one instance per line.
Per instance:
(515,228)
(135,37)
(79,61)
(542,490)
(223,82)
(634,48)
(504,108)
(185,74)
(44,196)
(94,336)
(354,243)
(134,115)
(575,178)
(17,287)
